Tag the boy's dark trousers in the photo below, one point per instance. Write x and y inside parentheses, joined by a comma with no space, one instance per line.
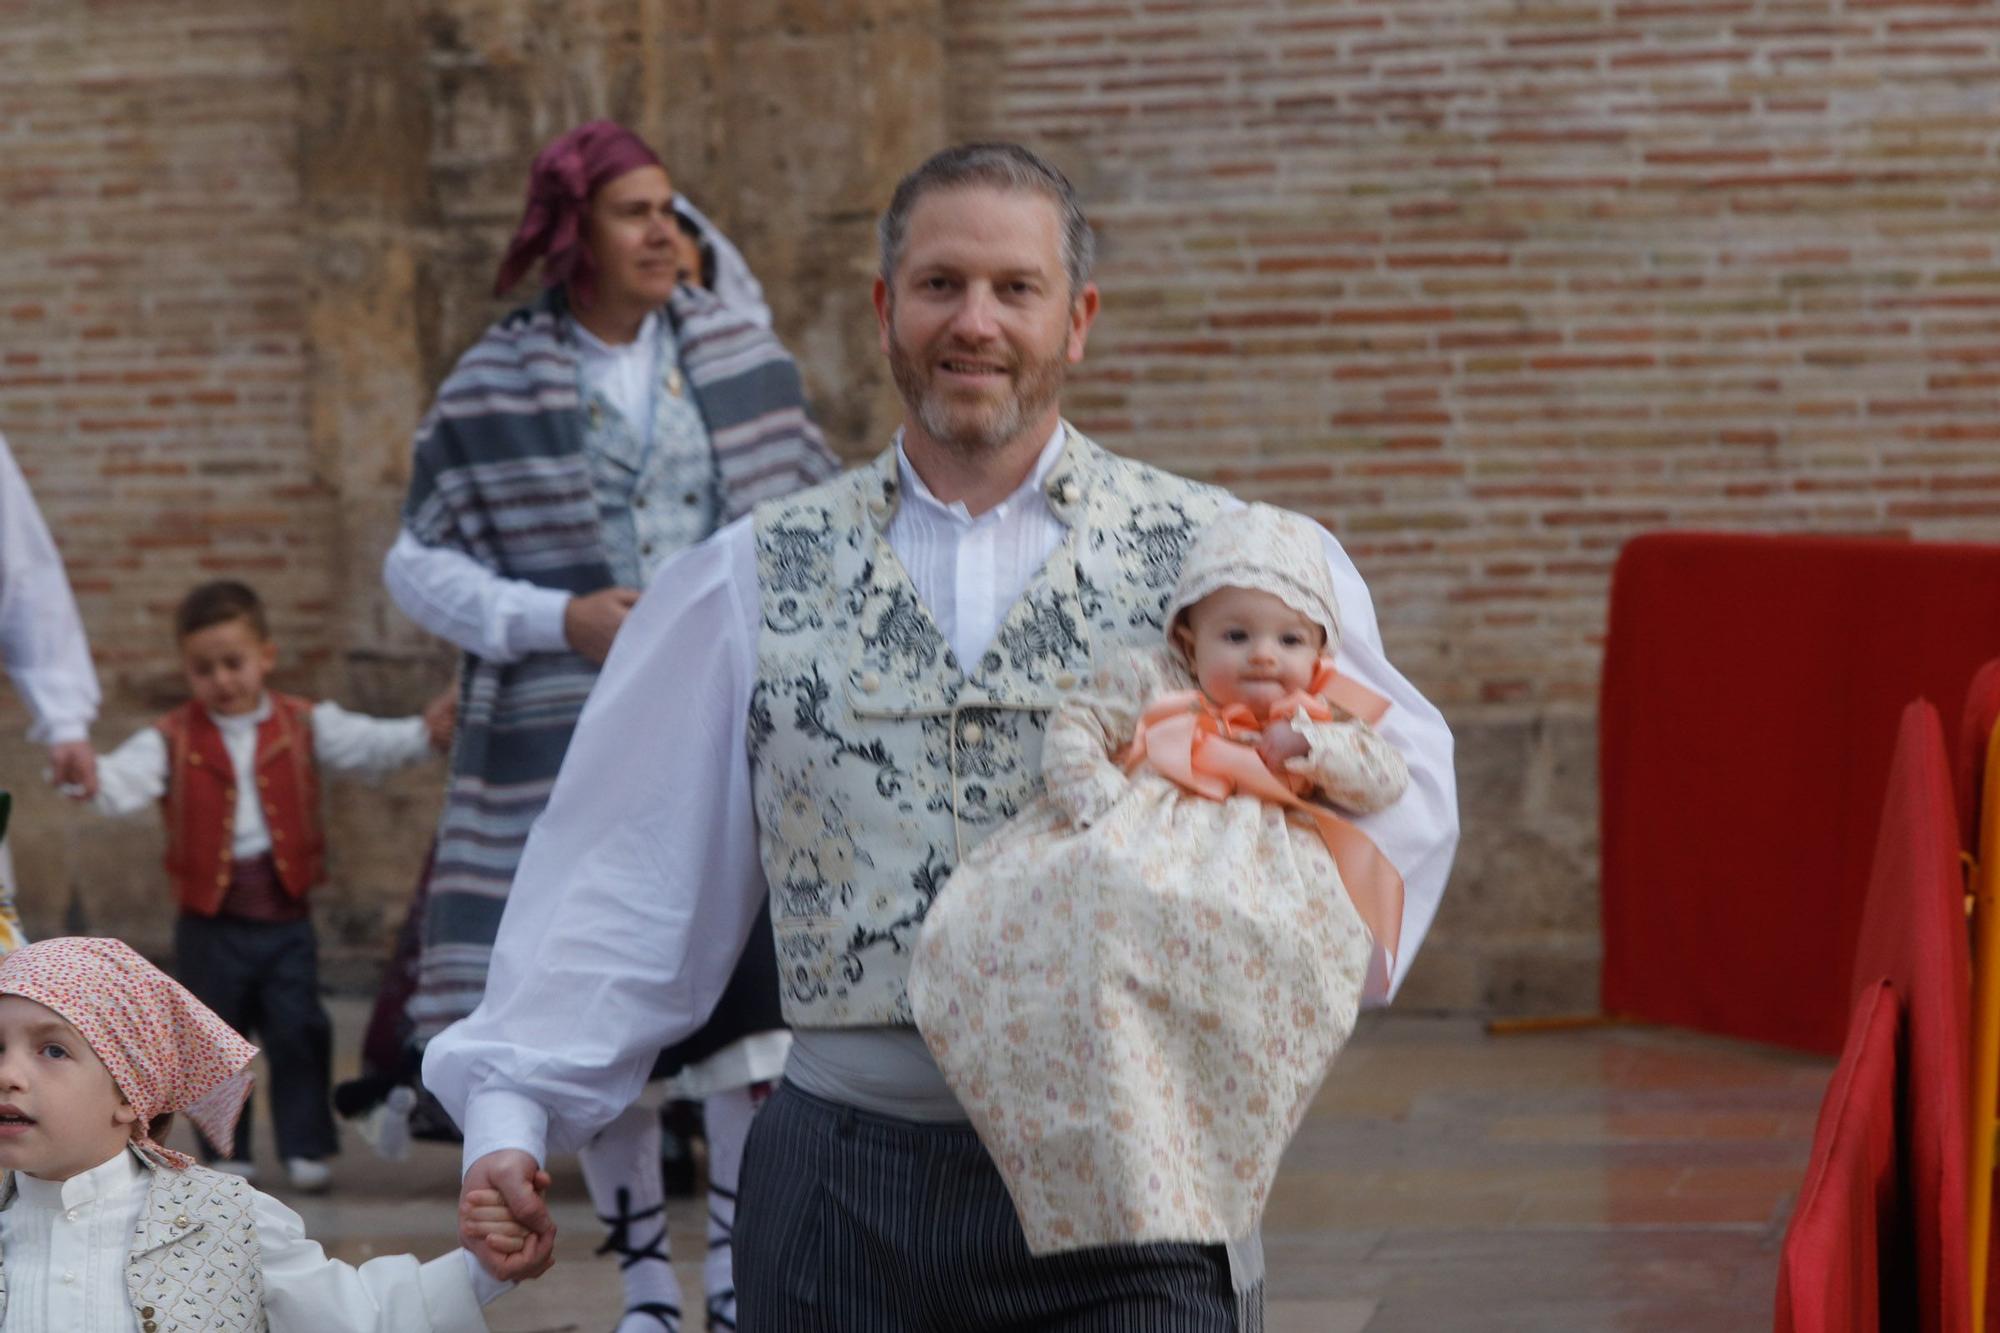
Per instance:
(261,977)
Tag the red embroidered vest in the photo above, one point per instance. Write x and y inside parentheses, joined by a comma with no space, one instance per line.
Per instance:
(200,804)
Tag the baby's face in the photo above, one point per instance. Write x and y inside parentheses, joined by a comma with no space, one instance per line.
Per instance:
(60,1112)
(1248,647)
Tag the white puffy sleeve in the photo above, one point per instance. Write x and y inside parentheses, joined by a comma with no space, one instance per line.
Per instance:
(306,1292)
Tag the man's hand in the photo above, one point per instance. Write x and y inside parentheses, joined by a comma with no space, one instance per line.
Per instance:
(73,768)
(1281,741)
(520,1185)
(440,717)
(591,622)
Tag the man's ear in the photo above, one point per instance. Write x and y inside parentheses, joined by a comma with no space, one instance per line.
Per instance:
(882,310)
(1082,314)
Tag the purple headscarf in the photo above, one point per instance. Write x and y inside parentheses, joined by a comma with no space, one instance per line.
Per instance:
(567,172)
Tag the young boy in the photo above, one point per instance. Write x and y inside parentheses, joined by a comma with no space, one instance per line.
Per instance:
(236,773)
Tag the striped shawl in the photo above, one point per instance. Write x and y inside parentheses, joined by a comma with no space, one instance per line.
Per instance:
(500,475)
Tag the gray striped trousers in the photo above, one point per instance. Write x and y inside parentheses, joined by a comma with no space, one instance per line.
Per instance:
(850,1222)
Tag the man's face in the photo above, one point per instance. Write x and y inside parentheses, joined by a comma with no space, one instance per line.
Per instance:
(978,320)
(631,232)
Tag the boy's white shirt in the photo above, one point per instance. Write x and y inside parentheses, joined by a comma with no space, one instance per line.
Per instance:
(66,1244)
(134,776)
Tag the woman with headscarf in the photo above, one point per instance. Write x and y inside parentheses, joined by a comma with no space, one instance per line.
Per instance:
(620,417)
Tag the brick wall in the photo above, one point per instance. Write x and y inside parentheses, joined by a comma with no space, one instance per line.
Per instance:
(1491,287)
(1488,287)
(152,370)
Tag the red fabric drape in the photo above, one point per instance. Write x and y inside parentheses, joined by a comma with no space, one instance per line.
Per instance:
(1751,688)
(1831,1275)
(1913,933)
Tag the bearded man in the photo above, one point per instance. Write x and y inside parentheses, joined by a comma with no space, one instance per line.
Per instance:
(825,706)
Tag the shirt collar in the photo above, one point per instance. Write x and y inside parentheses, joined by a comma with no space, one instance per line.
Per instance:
(596,347)
(108,1180)
(244,721)
(956,512)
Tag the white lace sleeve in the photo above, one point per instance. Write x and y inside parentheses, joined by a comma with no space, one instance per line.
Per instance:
(1350,764)
(1089,729)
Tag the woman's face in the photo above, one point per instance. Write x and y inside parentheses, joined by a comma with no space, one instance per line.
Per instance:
(631,231)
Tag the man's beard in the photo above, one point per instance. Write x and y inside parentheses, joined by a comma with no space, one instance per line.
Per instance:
(966,429)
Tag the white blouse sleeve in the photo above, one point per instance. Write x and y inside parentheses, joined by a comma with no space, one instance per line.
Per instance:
(356,743)
(41,634)
(639,883)
(456,598)
(306,1292)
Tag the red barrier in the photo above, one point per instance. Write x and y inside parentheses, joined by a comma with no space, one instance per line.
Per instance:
(1830,1277)
(1913,933)
(1751,687)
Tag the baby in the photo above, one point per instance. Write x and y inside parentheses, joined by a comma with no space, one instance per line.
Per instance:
(98,1049)
(1137,985)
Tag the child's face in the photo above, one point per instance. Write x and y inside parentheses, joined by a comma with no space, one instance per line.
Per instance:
(1248,647)
(226,665)
(60,1112)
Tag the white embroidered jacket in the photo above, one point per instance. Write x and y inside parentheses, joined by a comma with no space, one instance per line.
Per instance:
(878,759)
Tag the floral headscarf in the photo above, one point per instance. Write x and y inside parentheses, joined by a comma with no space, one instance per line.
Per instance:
(166,1050)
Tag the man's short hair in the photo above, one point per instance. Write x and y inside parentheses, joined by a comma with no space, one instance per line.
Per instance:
(218,603)
(998,166)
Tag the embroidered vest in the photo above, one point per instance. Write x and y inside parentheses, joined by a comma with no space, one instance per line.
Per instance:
(877,758)
(656,483)
(194,1263)
(200,802)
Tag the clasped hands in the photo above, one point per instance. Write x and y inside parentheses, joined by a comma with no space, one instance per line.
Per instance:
(503,1216)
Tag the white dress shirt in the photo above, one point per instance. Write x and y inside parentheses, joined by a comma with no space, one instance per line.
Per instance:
(66,1242)
(642,879)
(134,776)
(41,634)
(490,615)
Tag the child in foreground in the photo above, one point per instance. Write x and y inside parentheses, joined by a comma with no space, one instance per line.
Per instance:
(235,773)
(98,1048)
(1136,986)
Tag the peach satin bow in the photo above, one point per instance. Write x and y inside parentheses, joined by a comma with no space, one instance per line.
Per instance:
(1186,738)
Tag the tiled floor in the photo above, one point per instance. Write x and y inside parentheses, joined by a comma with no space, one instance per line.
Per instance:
(1579,1182)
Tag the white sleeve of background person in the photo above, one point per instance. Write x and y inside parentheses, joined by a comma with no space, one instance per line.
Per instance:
(460,600)
(357,743)
(41,634)
(1419,833)
(640,882)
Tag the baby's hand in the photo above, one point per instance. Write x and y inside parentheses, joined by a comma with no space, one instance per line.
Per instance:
(487,1216)
(1281,741)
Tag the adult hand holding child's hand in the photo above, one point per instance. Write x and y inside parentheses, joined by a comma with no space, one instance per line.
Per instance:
(519,1184)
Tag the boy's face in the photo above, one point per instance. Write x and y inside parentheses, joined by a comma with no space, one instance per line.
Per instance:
(60,1112)
(226,665)
(1249,647)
